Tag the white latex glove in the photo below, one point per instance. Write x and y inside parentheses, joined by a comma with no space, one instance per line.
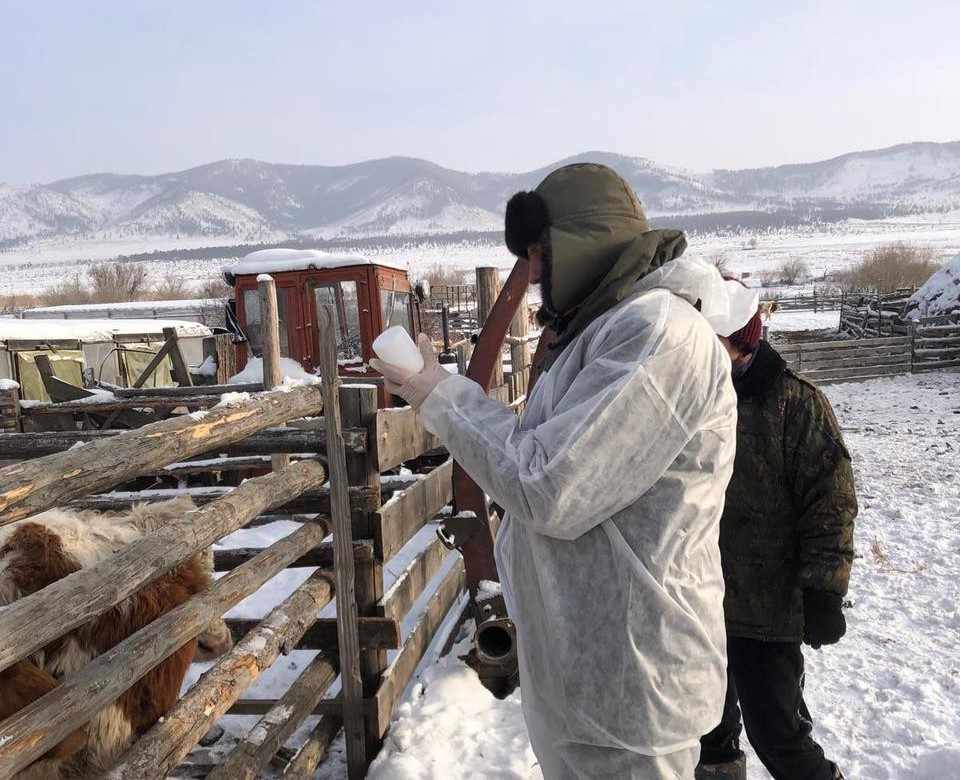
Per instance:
(414,387)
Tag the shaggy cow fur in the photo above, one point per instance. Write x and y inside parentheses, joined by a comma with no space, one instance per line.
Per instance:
(37,552)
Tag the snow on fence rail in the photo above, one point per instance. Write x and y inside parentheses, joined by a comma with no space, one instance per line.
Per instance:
(52,471)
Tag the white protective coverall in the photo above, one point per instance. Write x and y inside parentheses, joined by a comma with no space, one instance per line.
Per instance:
(613,483)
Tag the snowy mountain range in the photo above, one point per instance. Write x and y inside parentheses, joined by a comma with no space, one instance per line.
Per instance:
(248,200)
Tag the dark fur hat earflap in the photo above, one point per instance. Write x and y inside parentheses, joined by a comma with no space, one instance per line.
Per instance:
(525,219)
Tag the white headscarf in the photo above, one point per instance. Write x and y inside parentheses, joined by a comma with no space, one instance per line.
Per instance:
(727,305)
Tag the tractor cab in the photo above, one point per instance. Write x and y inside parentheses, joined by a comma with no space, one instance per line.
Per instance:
(368,297)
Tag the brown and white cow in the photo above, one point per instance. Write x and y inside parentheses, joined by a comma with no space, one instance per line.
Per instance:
(49,546)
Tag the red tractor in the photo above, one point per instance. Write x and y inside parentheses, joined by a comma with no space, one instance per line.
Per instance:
(369,297)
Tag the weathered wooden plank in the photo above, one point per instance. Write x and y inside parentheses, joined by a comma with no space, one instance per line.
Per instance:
(152,366)
(933,351)
(177,362)
(97,406)
(404,515)
(270,347)
(186,392)
(165,745)
(303,765)
(401,437)
(402,670)
(848,343)
(272,731)
(872,360)
(32,486)
(32,731)
(790,354)
(373,633)
(408,587)
(29,446)
(308,502)
(945,328)
(36,620)
(359,408)
(321,556)
(192,468)
(850,373)
(352,687)
(934,365)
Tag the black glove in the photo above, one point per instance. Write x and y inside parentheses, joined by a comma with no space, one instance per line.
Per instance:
(823,620)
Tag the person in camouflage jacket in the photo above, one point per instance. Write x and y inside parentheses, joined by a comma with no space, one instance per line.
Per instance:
(786,549)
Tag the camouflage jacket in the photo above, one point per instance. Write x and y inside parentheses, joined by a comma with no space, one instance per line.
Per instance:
(788,520)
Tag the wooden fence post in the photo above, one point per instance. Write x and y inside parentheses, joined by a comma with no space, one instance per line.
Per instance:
(520,352)
(347,629)
(177,362)
(359,410)
(270,323)
(488,287)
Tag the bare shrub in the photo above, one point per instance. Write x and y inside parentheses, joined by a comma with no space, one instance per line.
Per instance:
(719,261)
(172,288)
(890,267)
(14,303)
(118,282)
(442,275)
(767,277)
(215,287)
(65,293)
(792,270)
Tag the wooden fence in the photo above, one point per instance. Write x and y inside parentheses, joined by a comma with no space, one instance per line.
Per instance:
(826,362)
(457,297)
(336,486)
(814,302)
(874,316)
(936,343)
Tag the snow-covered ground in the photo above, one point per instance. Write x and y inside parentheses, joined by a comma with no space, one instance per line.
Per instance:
(885,699)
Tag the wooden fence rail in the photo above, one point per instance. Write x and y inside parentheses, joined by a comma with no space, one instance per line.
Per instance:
(27,446)
(27,488)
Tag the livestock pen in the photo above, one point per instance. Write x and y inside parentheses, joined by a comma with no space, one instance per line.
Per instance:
(345,451)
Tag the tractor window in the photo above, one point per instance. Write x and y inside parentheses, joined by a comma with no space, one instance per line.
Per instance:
(343,297)
(254,327)
(396,306)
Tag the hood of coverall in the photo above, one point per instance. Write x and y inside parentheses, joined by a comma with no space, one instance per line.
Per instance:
(599,245)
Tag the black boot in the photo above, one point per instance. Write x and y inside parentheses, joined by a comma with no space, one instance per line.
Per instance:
(728,770)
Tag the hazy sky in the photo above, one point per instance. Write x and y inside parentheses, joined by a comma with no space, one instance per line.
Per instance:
(150,87)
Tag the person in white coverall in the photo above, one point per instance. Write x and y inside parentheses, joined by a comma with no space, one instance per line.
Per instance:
(613,483)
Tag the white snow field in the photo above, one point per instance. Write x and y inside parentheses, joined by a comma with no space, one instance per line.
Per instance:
(885,700)
(824,248)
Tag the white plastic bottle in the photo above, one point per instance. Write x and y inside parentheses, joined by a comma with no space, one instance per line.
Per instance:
(395,346)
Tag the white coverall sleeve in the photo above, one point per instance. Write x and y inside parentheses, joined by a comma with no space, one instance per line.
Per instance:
(610,437)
